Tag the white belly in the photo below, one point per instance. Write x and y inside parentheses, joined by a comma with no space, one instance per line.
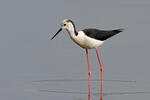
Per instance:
(86,42)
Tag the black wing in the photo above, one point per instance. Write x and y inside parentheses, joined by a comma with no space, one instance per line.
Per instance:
(101,34)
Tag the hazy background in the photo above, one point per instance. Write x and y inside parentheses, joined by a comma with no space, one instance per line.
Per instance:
(27,54)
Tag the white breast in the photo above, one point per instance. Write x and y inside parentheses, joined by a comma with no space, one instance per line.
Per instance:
(86,42)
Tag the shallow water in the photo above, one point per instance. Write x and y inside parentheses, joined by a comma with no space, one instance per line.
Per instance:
(32,67)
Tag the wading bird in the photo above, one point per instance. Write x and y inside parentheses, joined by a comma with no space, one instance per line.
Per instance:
(88,39)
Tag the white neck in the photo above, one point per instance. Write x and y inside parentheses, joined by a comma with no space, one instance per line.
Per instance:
(71,30)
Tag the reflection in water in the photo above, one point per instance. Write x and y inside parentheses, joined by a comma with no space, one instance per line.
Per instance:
(97,94)
(101,89)
(89,92)
(101,85)
(81,80)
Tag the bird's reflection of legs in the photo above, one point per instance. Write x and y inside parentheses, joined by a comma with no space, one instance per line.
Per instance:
(101,68)
(89,93)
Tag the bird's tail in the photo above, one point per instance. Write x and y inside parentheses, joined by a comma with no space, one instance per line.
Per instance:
(113,32)
(118,30)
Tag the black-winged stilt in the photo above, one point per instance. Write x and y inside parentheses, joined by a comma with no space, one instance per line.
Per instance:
(88,39)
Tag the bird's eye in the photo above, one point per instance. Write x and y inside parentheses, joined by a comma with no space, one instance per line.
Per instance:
(64,24)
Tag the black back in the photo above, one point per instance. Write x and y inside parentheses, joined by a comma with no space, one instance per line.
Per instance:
(101,34)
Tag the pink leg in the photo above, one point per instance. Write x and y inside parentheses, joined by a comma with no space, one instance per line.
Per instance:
(88,62)
(101,68)
(89,94)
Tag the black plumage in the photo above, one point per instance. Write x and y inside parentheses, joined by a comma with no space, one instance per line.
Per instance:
(101,34)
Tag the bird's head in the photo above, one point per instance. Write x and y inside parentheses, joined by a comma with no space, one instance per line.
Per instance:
(66,24)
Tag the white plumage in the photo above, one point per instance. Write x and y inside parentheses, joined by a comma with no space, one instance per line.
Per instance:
(86,42)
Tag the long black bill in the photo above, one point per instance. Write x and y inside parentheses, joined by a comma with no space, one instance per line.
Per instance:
(56,33)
